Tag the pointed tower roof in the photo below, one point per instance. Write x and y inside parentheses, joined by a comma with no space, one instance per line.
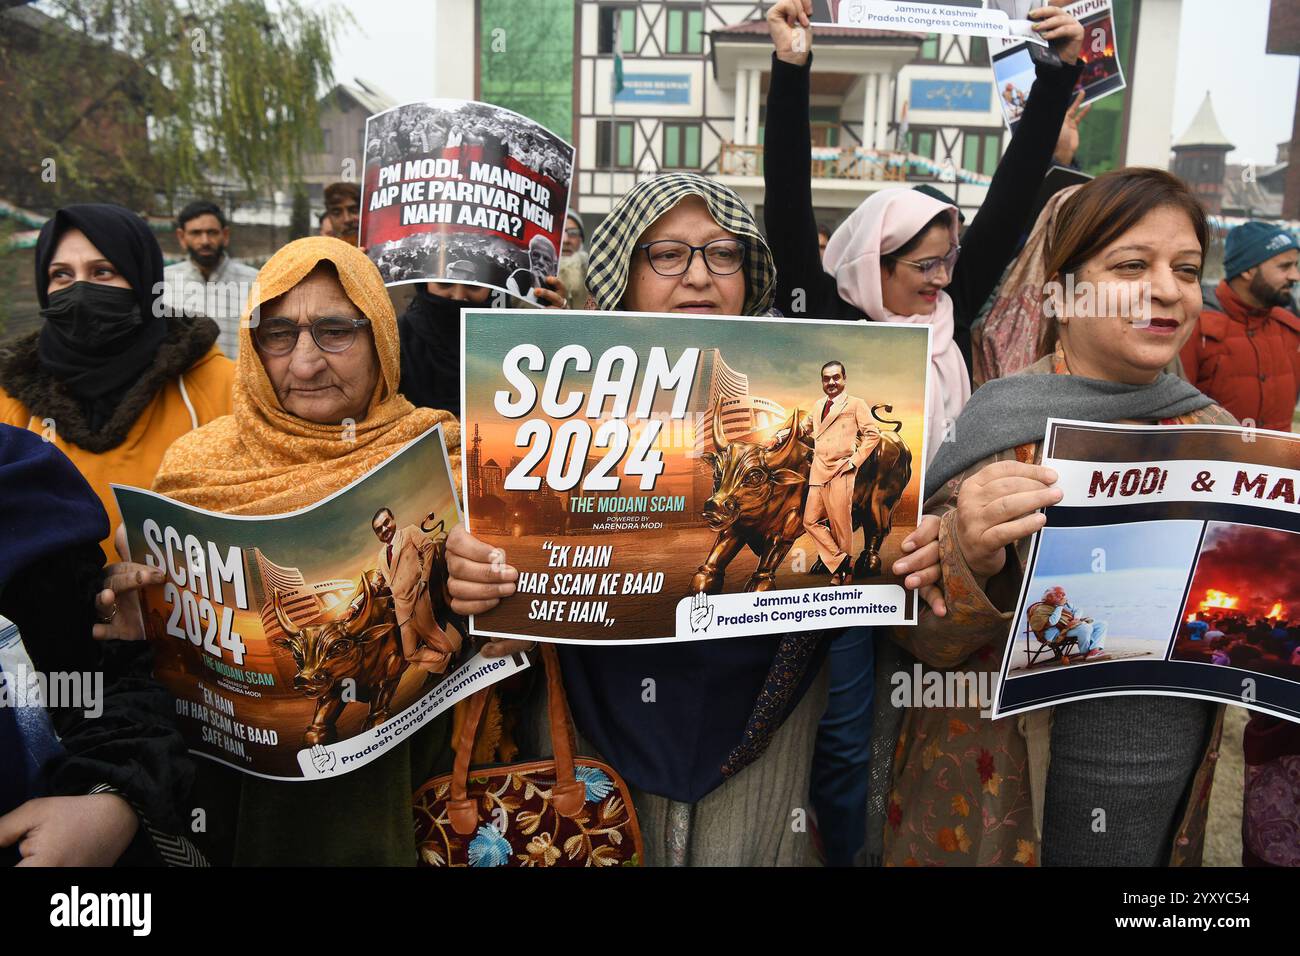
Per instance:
(1204,130)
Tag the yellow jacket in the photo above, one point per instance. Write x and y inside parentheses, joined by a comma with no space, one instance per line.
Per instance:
(188,385)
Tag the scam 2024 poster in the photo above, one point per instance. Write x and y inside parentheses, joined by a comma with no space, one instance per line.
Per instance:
(668,477)
(282,637)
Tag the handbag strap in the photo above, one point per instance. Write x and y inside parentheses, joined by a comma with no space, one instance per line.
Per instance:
(568,796)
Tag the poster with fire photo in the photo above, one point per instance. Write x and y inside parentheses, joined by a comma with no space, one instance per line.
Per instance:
(1171,566)
(466,192)
(680,477)
(1103,74)
(304,645)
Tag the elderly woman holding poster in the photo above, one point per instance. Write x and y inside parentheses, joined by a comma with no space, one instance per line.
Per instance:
(714,737)
(968,790)
(316,407)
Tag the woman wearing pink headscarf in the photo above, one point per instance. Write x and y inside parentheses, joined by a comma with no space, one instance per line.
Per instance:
(895,259)
(910,239)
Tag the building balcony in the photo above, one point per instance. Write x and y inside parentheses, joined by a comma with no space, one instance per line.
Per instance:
(844,176)
(828,162)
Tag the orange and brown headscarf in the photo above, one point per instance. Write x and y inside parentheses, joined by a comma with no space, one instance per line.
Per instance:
(263,460)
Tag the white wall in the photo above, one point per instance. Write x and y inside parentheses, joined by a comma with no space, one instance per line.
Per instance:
(1151,80)
(453,60)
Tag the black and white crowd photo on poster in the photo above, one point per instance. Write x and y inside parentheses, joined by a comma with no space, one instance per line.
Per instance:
(464,192)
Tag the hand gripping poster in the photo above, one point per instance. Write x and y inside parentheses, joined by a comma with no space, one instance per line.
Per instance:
(669,477)
(302,646)
(1171,566)
(465,192)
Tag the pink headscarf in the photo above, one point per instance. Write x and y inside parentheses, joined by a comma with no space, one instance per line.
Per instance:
(883,224)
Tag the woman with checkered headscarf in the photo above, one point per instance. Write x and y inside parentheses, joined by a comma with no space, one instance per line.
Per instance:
(679,722)
(642,236)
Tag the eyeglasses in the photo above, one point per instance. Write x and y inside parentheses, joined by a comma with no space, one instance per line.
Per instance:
(573,233)
(930,267)
(280,336)
(671,257)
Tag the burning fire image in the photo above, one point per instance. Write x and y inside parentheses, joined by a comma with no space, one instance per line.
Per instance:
(1238,612)
(1244,572)
(1217,602)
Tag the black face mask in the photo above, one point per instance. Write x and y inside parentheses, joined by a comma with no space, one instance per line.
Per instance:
(444,305)
(91,315)
(430,336)
(97,342)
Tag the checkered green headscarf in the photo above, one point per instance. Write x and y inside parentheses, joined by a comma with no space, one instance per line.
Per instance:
(613,241)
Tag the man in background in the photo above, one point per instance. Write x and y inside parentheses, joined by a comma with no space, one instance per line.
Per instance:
(207,281)
(573,262)
(343,206)
(1245,353)
(823,236)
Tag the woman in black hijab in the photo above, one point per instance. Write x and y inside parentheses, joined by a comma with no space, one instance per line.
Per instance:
(430,337)
(109,378)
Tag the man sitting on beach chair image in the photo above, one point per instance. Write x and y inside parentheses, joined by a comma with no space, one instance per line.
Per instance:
(1054,620)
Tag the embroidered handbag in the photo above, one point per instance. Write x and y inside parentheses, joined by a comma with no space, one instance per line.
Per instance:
(1270,819)
(557,812)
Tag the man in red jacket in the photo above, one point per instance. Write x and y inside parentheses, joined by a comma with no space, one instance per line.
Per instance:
(1246,351)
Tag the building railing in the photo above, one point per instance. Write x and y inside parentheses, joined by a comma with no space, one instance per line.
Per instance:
(851,163)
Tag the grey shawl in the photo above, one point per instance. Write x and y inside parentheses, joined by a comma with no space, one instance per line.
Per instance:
(1004,413)
(1008,412)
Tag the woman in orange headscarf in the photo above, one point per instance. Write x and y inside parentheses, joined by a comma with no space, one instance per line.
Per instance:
(312,413)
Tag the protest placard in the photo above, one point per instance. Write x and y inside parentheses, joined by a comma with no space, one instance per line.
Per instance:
(466,192)
(284,639)
(1001,18)
(1103,74)
(655,477)
(1171,566)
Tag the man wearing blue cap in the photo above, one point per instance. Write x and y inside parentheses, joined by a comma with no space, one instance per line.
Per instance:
(1246,350)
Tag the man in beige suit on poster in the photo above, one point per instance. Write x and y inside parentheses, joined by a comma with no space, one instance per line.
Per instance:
(404,559)
(843,436)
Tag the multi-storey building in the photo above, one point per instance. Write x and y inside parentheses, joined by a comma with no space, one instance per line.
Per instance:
(887,108)
(343,114)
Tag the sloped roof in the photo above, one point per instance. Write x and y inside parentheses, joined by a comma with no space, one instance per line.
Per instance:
(1251,198)
(26,16)
(368,96)
(1204,130)
(29,16)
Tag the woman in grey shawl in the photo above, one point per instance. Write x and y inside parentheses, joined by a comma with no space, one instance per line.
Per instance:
(1026,790)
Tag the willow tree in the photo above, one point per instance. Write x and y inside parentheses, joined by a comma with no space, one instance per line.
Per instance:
(124,99)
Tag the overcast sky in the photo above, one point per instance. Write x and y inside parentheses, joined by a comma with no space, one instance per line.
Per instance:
(1222,50)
